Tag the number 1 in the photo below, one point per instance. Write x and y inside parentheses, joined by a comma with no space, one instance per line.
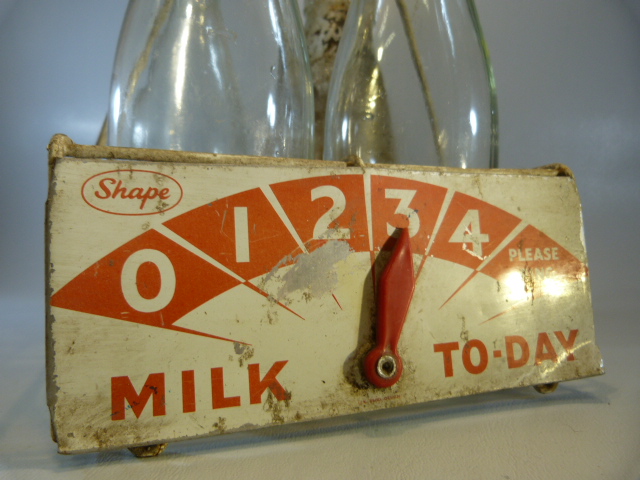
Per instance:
(241,218)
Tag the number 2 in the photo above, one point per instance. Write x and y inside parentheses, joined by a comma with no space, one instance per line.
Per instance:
(322,229)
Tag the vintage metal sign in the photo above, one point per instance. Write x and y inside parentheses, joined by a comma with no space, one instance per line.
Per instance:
(192,295)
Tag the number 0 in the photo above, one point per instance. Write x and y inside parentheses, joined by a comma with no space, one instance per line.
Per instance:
(129,284)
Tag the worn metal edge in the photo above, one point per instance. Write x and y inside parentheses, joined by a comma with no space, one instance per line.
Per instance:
(62,146)
(567,172)
(344,418)
(51,385)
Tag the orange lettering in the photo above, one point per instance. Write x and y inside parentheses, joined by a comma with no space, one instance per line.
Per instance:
(188,391)
(119,190)
(217,391)
(258,386)
(122,390)
(568,345)
(545,350)
(446,349)
(512,361)
(105,188)
(466,357)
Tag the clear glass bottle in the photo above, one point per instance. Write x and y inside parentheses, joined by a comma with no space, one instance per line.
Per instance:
(221,76)
(412,84)
(324,22)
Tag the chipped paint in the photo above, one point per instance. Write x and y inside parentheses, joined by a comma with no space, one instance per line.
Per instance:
(315,272)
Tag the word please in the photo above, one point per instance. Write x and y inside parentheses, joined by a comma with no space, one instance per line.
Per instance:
(533,254)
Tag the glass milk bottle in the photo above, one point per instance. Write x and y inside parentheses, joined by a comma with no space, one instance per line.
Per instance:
(221,76)
(412,84)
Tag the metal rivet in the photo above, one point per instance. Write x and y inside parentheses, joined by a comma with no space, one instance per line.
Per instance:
(148,450)
(387,367)
(545,388)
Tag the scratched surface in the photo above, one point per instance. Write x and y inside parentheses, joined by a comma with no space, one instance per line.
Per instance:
(193,300)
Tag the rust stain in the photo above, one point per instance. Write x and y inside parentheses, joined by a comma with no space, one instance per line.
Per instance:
(529,283)
(464,332)
(272,317)
(245,352)
(220,425)
(276,407)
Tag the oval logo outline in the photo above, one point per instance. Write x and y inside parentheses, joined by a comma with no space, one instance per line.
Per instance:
(129,189)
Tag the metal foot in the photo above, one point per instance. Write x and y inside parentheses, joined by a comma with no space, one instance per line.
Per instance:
(148,450)
(545,388)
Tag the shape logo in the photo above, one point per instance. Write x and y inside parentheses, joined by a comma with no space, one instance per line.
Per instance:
(132,192)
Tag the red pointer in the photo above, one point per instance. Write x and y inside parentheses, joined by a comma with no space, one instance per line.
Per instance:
(383,365)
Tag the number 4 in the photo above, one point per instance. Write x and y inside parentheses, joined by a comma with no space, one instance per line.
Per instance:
(469,232)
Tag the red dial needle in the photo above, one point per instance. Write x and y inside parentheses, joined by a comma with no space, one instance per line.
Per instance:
(383,365)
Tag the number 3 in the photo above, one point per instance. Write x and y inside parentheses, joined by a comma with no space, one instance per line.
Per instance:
(405,197)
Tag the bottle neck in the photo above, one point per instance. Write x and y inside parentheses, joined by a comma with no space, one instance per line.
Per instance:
(210,76)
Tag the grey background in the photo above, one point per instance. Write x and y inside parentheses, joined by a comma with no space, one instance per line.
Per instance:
(568,77)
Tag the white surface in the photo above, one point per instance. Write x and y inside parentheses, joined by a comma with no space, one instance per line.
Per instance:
(568,75)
